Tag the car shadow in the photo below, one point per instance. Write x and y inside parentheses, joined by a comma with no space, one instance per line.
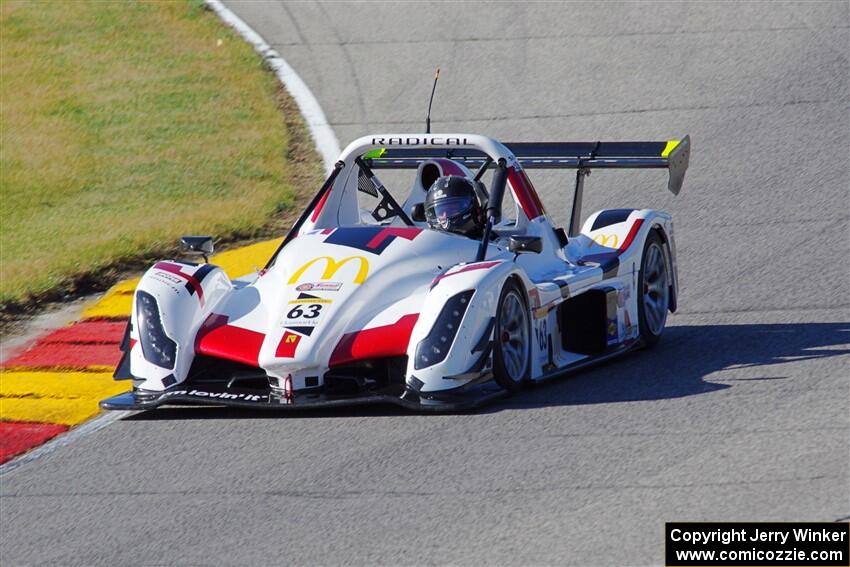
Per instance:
(686,355)
(676,368)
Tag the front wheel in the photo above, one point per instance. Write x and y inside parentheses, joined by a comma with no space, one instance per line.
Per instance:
(654,291)
(512,339)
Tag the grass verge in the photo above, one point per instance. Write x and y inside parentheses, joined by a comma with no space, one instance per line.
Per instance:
(125,125)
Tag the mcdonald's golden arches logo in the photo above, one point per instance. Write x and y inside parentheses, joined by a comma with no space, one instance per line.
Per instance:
(332,266)
(604,239)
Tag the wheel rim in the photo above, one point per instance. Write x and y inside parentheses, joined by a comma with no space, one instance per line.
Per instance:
(656,292)
(513,336)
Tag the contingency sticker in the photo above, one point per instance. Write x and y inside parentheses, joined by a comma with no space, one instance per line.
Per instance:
(288,345)
(320,286)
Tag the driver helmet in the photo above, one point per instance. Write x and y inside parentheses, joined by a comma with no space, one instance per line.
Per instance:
(451,205)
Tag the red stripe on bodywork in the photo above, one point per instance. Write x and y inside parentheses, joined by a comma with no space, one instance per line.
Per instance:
(469,268)
(408,233)
(630,236)
(16,437)
(218,339)
(175,269)
(377,342)
(319,206)
(88,343)
(525,193)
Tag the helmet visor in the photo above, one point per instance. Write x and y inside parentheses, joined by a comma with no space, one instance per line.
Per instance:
(440,212)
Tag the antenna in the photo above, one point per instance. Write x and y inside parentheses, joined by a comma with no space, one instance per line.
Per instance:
(430,101)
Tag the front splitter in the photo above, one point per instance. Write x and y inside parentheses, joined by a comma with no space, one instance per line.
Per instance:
(219,395)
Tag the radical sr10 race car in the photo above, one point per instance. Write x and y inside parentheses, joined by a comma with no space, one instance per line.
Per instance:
(363,302)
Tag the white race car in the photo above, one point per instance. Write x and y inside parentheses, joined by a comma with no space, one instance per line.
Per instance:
(364,302)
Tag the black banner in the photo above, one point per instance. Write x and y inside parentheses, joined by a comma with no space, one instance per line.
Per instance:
(745,544)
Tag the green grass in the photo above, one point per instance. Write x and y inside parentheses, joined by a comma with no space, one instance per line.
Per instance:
(125,125)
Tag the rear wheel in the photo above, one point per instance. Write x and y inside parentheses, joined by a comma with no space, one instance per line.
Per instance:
(512,339)
(654,291)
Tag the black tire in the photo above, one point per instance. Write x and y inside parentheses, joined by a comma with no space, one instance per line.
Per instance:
(653,291)
(512,338)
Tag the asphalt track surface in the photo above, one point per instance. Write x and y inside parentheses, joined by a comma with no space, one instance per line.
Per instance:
(740,413)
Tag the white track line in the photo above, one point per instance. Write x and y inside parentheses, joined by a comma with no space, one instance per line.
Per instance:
(323,135)
(326,143)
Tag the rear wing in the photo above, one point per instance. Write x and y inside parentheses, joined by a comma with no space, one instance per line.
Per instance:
(672,155)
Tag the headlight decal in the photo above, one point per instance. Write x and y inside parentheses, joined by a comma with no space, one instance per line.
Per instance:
(157,348)
(435,346)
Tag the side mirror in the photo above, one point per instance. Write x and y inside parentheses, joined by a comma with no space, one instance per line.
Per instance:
(520,244)
(418,212)
(197,245)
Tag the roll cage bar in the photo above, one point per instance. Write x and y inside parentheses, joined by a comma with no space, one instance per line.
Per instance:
(407,151)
